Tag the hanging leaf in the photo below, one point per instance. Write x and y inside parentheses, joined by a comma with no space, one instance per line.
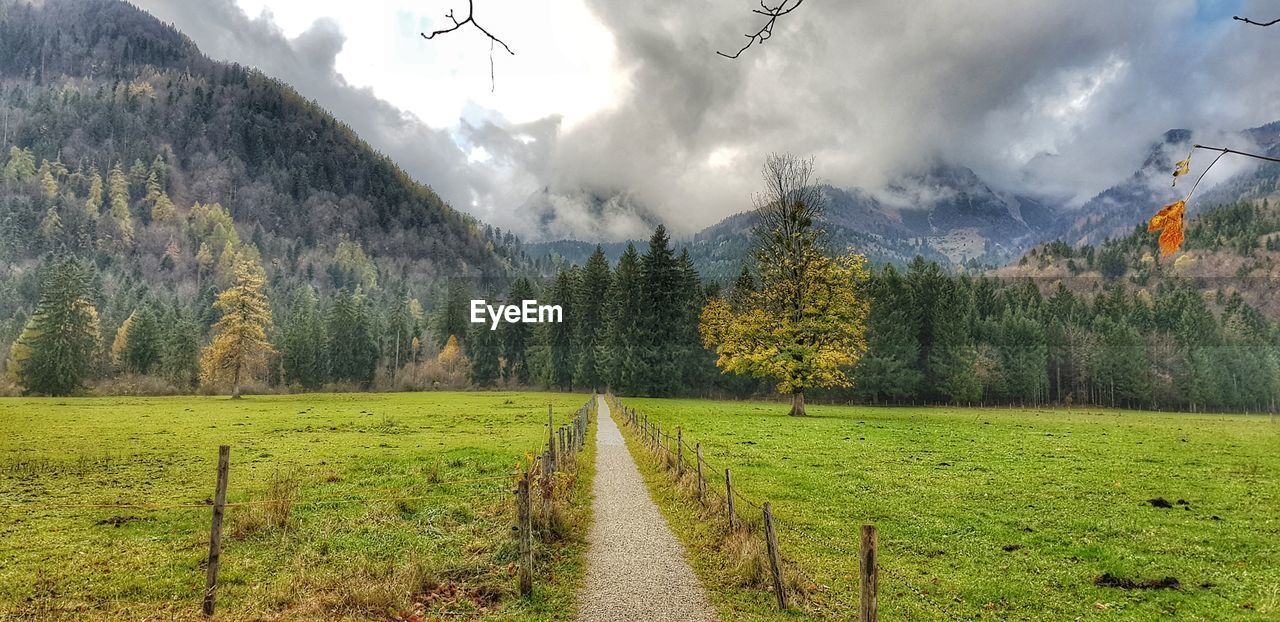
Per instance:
(1181,168)
(1168,221)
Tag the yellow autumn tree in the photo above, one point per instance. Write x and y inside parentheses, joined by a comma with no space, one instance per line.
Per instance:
(805,326)
(239,350)
(451,355)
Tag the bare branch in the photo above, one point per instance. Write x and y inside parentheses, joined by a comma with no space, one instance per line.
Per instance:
(1226,151)
(1249,21)
(471,19)
(766,31)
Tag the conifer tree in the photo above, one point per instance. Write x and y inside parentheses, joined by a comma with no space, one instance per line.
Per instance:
(484,349)
(353,352)
(889,370)
(589,321)
(658,372)
(118,193)
(239,350)
(48,184)
(561,355)
(93,203)
(142,348)
(622,329)
(452,315)
(517,337)
(180,358)
(303,357)
(55,353)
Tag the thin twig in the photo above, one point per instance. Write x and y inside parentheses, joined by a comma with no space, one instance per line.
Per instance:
(766,31)
(1243,153)
(1249,21)
(471,19)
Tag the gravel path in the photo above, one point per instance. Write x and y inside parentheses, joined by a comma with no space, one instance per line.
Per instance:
(636,568)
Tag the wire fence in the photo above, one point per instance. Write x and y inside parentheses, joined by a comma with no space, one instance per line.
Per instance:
(550,473)
(675,454)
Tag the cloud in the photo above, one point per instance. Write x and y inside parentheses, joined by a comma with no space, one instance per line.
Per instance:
(1046,97)
(1041,97)
(307,63)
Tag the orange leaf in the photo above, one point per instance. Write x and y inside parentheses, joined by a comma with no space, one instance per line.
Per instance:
(1168,221)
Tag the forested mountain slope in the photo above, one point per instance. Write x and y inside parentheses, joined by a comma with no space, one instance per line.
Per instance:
(160,169)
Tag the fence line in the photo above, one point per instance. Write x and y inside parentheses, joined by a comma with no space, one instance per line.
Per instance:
(558,456)
(674,459)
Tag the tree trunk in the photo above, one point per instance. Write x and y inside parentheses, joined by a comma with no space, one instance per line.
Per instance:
(797,404)
(235,384)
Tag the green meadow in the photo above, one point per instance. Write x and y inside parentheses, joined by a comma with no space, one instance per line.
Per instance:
(366,504)
(996,514)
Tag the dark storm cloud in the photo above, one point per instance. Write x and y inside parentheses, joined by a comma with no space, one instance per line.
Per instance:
(1060,98)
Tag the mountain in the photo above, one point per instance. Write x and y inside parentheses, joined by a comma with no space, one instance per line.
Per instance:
(164,173)
(92,83)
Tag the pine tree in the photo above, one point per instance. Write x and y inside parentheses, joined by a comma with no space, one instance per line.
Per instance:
(589,320)
(484,350)
(51,226)
(352,351)
(48,184)
(56,350)
(118,193)
(517,337)
(953,353)
(622,326)
(890,370)
(180,358)
(21,165)
(1023,357)
(658,372)
(93,204)
(561,355)
(141,351)
(239,349)
(303,357)
(453,314)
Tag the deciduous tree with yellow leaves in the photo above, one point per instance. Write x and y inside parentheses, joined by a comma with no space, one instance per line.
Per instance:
(805,325)
(239,349)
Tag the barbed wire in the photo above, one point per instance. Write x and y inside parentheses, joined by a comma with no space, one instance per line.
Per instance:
(249,503)
(829,547)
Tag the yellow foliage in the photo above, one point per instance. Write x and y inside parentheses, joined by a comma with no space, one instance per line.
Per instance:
(451,354)
(239,348)
(805,327)
(122,339)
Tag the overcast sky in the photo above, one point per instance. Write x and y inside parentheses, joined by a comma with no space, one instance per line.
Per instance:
(607,97)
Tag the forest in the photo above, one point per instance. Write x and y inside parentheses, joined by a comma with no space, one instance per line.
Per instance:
(170,224)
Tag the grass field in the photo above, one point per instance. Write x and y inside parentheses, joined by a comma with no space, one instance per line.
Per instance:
(332,555)
(1002,514)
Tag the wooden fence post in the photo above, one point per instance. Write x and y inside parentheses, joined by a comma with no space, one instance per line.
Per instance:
(215,533)
(551,437)
(775,558)
(548,484)
(702,483)
(868,608)
(562,452)
(728,494)
(525,532)
(680,452)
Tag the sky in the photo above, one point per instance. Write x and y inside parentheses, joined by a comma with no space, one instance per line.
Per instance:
(614,114)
